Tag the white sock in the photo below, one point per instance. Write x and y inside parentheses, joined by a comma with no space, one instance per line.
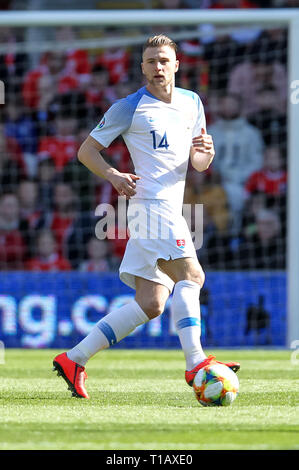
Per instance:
(185,309)
(115,326)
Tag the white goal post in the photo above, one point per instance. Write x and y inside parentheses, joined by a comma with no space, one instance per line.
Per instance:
(274,17)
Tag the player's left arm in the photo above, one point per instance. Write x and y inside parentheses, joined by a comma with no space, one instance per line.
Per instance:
(202,151)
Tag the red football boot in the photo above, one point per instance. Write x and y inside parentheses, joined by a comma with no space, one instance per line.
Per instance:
(72,373)
(190,374)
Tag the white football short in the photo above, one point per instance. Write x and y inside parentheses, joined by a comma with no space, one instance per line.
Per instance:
(157,230)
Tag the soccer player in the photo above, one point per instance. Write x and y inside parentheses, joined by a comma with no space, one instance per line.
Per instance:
(162,126)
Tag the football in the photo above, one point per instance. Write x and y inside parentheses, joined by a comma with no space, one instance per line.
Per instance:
(216,385)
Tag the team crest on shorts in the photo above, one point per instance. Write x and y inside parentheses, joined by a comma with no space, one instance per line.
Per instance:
(101,124)
(180,243)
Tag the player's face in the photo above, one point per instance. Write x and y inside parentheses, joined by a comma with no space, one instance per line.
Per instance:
(9,208)
(46,245)
(159,65)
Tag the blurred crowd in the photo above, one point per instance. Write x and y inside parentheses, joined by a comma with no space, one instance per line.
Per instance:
(48,198)
(144,4)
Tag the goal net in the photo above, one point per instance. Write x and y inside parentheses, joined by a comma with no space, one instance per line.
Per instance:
(57,277)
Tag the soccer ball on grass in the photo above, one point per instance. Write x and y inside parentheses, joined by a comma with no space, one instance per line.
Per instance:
(216,385)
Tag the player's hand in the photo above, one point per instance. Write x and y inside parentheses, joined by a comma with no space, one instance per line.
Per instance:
(124,183)
(204,148)
(203,143)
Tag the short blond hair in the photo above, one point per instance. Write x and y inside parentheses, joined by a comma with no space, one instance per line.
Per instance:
(160,40)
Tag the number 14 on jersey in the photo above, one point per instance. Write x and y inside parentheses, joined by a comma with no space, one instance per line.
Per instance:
(163,142)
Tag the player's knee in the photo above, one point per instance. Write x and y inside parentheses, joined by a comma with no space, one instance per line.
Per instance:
(153,307)
(202,276)
(198,276)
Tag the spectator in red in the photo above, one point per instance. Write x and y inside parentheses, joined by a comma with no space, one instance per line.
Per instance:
(60,221)
(44,112)
(97,256)
(12,167)
(70,227)
(28,200)
(194,69)
(272,178)
(47,257)
(115,59)
(117,235)
(100,94)
(63,146)
(219,4)
(12,246)
(77,60)
(54,66)
(118,244)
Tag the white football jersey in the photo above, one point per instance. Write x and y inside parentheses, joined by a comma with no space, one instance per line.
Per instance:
(158,136)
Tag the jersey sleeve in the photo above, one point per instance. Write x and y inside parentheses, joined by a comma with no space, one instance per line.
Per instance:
(115,122)
(201,119)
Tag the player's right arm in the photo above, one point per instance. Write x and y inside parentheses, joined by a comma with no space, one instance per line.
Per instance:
(89,154)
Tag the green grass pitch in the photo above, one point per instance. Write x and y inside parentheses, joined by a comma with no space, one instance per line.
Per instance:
(139,400)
